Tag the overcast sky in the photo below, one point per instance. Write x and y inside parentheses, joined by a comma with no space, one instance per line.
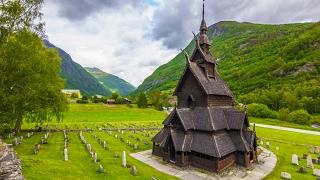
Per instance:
(131,38)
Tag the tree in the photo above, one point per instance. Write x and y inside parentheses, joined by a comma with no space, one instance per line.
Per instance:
(300,116)
(30,82)
(142,101)
(260,110)
(17,15)
(114,95)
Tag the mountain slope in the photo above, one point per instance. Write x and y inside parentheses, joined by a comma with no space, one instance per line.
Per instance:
(76,77)
(256,60)
(111,82)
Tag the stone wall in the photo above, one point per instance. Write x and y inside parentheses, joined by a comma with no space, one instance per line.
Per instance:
(10,165)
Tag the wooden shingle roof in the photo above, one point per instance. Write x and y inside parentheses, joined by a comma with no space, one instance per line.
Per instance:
(209,118)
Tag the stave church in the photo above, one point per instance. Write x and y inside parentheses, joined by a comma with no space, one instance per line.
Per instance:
(205,130)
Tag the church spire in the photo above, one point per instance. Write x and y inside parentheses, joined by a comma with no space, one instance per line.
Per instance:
(203,39)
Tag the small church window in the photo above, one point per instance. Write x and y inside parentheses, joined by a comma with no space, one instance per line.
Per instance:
(191,101)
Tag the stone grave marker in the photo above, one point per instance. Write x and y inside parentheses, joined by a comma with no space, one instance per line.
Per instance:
(316,172)
(104,145)
(305,156)
(267,144)
(123,159)
(303,170)
(285,175)
(101,169)
(95,157)
(134,171)
(309,162)
(15,141)
(65,152)
(294,159)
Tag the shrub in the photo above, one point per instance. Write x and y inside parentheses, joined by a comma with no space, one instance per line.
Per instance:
(283,114)
(260,110)
(80,101)
(300,116)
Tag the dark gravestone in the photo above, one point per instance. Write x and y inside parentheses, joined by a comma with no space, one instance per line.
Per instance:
(305,156)
(303,170)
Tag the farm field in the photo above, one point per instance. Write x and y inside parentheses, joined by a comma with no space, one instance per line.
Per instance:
(96,122)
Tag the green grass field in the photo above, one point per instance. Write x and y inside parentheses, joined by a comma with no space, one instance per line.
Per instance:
(49,163)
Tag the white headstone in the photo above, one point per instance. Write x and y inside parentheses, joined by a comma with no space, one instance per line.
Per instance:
(309,162)
(261,142)
(89,147)
(267,144)
(294,159)
(28,135)
(316,172)
(123,159)
(285,175)
(95,157)
(104,144)
(121,131)
(65,151)
(317,150)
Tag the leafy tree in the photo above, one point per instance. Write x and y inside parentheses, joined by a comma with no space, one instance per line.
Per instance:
(119,100)
(74,95)
(85,98)
(142,101)
(114,95)
(17,15)
(29,72)
(300,116)
(283,114)
(30,83)
(260,110)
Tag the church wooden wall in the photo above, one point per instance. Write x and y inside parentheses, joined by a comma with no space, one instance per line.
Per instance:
(226,162)
(214,100)
(191,87)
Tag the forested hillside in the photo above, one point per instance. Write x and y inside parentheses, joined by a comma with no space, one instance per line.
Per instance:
(111,82)
(76,77)
(275,65)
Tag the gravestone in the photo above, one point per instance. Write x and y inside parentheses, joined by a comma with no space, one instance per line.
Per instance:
(315,161)
(309,162)
(305,156)
(316,172)
(303,170)
(28,135)
(312,149)
(89,147)
(123,159)
(135,147)
(95,157)
(104,145)
(153,178)
(317,150)
(101,169)
(134,171)
(277,148)
(15,141)
(267,144)
(65,152)
(285,175)
(294,159)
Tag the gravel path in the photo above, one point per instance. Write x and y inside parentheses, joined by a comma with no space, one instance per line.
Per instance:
(317,133)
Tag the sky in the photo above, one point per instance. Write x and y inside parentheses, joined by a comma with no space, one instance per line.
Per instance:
(131,38)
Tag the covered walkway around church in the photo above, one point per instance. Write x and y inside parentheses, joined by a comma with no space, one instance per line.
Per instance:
(259,171)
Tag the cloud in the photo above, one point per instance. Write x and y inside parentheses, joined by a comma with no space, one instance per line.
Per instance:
(131,38)
(81,9)
(174,19)
(115,42)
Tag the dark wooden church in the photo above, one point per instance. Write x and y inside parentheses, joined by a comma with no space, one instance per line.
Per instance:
(205,130)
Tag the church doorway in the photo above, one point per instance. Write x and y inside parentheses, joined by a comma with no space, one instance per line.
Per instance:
(172,154)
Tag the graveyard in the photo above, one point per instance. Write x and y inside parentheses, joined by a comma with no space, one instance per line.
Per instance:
(99,144)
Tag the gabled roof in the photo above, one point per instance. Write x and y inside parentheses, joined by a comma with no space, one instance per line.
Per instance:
(210,86)
(209,118)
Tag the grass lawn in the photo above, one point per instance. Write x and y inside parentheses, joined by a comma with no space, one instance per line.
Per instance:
(289,143)
(92,114)
(49,164)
